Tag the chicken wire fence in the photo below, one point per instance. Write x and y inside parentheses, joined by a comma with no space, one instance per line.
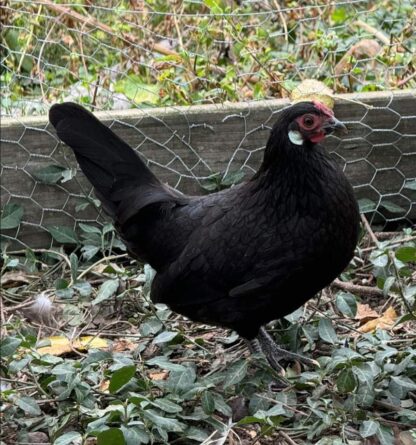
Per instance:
(144,62)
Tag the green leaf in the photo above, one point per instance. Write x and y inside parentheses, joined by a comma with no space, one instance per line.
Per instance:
(63,234)
(404,382)
(196,434)
(61,284)
(385,435)
(233,178)
(112,436)
(12,39)
(221,405)
(167,405)
(339,15)
(88,251)
(121,377)
(11,262)
(87,228)
(208,403)
(406,254)
(151,326)
(388,284)
(11,216)
(180,382)
(135,435)
(107,290)
(366,205)
(50,174)
(214,6)
(73,259)
(392,207)
(69,438)
(379,260)
(346,381)
(236,373)
(28,405)
(164,363)
(346,304)
(411,185)
(83,287)
(165,423)
(137,91)
(165,337)
(17,365)
(326,331)
(276,410)
(96,357)
(82,206)
(8,346)
(369,428)
(108,228)
(364,373)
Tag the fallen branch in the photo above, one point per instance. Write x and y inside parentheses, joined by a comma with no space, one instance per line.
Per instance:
(375,32)
(357,289)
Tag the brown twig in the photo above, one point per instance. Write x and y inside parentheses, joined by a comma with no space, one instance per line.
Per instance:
(94,96)
(369,230)
(355,288)
(282,18)
(375,32)
(287,438)
(406,79)
(19,306)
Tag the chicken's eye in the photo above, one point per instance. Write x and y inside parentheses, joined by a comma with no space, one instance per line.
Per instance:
(308,121)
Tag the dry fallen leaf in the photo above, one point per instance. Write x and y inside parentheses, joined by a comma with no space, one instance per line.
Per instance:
(365,48)
(206,336)
(61,345)
(123,344)
(365,313)
(13,279)
(310,89)
(100,269)
(104,385)
(407,438)
(162,375)
(386,321)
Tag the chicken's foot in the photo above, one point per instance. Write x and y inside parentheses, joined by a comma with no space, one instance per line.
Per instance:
(275,354)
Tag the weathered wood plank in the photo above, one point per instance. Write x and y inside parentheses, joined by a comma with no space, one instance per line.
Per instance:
(185,145)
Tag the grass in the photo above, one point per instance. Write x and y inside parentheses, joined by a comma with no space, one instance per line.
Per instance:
(158,378)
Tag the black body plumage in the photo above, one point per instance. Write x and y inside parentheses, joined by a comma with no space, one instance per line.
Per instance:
(238,258)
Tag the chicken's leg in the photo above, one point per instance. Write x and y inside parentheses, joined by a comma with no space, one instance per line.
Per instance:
(275,354)
(253,346)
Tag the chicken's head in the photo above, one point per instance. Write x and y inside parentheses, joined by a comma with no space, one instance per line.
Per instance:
(311,122)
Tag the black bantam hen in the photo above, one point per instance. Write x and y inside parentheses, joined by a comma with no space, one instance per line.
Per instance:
(241,257)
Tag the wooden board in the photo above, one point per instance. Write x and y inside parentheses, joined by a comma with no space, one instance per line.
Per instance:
(185,145)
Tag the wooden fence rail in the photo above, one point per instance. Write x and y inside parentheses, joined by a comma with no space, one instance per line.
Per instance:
(186,145)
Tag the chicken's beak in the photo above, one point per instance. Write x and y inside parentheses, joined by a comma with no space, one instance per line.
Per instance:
(333,125)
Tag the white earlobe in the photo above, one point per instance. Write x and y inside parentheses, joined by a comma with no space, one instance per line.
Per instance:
(295,137)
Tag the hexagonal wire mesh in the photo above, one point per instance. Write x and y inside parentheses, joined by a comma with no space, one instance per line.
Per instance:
(132,55)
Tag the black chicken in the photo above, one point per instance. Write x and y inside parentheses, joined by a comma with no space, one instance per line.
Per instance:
(241,257)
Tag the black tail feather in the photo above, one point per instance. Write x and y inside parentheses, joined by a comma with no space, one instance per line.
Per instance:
(117,173)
